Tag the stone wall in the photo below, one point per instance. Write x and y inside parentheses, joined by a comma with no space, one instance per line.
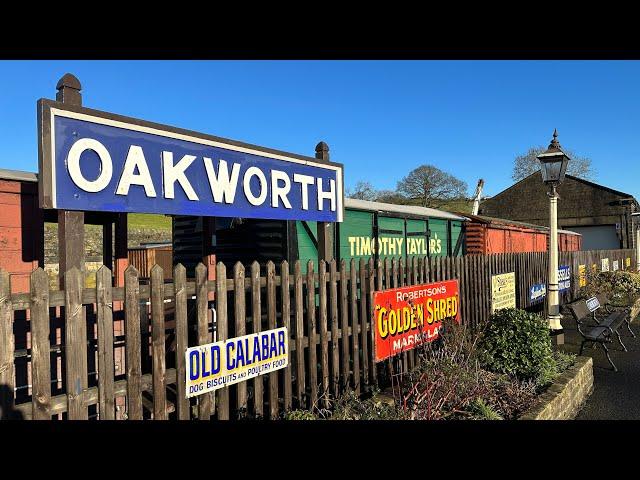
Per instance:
(565,397)
(93,240)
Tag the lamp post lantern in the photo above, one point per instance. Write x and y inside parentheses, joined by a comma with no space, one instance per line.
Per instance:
(553,165)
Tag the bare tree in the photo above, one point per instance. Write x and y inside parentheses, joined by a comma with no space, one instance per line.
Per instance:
(391,196)
(429,186)
(527,163)
(362,191)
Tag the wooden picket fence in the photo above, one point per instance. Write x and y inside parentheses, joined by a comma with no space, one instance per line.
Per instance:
(327,314)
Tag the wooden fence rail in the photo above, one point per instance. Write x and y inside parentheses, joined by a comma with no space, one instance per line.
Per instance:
(327,312)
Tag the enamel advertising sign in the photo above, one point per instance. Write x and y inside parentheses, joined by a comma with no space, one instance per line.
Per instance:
(503,291)
(407,317)
(537,292)
(582,275)
(564,278)
(224,363)
(91,160)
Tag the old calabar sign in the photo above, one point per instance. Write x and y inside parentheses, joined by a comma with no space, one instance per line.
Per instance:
(92,160)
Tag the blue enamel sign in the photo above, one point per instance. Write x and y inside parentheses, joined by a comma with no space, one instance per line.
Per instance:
(564,278)
(537,292)
(97,161)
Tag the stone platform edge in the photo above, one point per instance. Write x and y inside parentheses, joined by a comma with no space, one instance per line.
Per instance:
(566,395)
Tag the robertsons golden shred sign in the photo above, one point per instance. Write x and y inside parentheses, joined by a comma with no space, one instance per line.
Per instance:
(410,316)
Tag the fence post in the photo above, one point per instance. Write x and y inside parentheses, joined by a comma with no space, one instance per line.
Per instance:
(637,250)
(75,345)
(133,343)
(363,324)
(222,329)
(256,314)
(344,325)
(206,400)
(106,368)
(286,322)
(311,335)
(271,321)
(353,298)
(40,346)
(322,317)
(333,307)
(240,319)
(182,339)
(300,380)
(7,348)
(158,375)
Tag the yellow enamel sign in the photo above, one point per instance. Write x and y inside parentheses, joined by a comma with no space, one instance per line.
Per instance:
(503,291)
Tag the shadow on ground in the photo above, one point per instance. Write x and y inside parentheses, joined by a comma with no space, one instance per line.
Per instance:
(615,395)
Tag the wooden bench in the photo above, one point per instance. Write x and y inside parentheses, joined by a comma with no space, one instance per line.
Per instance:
(602,332)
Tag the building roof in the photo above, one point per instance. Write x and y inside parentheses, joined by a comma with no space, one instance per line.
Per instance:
(577,179)
(18,175)
(406,209)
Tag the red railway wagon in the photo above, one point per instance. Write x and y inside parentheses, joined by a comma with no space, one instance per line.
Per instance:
(21,227)
(497,235)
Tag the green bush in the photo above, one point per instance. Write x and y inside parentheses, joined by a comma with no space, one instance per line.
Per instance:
(517,343)
(563,360)
(482,411)
(622,287)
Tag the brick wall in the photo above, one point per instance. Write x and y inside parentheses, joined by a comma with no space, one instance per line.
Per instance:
(565,397)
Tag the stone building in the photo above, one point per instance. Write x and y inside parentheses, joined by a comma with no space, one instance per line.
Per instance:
(601,214)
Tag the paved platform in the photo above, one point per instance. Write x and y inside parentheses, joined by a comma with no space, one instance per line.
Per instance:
(616,395)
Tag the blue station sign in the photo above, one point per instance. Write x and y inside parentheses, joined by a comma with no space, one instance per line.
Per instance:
(91,160)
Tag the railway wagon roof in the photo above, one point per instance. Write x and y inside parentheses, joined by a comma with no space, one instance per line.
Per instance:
(504,221)
(406,209)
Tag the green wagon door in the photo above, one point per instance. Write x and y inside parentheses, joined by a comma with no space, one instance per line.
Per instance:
(417,238)
(438,242)
(356,236)
(391,237)
(457,239)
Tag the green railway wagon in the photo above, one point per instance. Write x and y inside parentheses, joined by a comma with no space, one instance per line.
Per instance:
(369,230)
(383,230)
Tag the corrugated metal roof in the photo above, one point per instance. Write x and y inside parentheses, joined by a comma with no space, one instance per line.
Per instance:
(392,207)
(19,175)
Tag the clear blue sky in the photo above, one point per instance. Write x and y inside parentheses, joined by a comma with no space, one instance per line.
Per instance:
(380,118)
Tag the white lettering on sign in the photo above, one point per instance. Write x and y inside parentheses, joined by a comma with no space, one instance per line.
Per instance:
(418,294)
(262,180)
(223,186)
(304,181)
(135,160)
(593,304)
(175,173)
(330,195)
(223,183)
(106,165)
(280,192)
